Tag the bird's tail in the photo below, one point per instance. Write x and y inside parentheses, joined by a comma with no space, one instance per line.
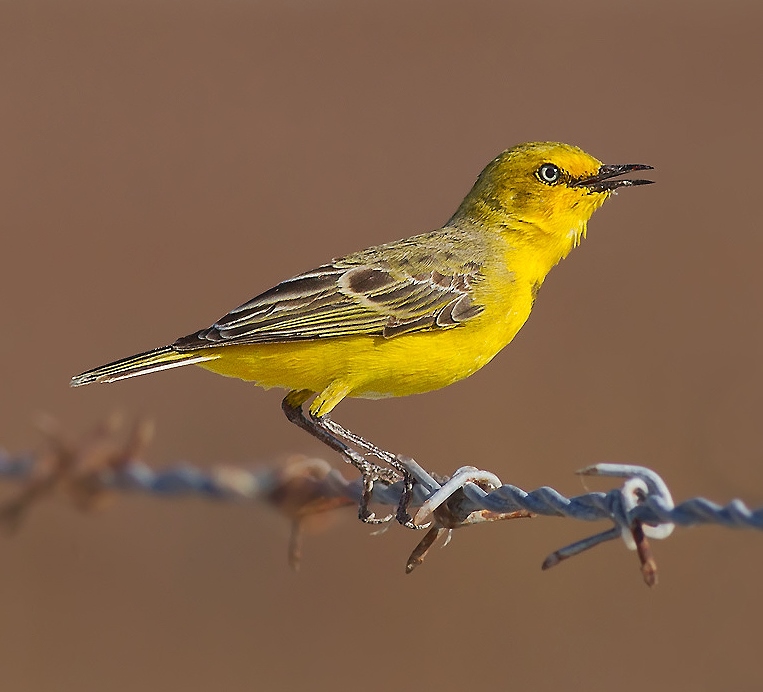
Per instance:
(141,364)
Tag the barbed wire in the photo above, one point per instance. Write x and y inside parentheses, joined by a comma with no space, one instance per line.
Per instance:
(98,465)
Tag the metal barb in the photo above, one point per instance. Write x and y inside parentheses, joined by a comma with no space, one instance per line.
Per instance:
(98,465)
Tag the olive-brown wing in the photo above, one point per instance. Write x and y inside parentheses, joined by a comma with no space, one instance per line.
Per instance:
(345,299)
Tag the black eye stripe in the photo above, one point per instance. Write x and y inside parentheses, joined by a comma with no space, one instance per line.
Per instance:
(549,173)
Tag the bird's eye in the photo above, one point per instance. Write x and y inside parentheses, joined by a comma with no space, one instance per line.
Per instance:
(549,173)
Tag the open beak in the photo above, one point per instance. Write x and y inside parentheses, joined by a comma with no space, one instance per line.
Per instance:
(603,180)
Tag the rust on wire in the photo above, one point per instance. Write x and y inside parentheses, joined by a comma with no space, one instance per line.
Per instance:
(648,564)
(94,468)
(77,467)
(302,494)
(455,514)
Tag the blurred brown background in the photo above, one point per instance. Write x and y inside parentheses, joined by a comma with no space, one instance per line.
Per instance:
(163,162)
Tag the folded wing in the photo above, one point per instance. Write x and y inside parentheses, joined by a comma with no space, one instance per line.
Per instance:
(345,298)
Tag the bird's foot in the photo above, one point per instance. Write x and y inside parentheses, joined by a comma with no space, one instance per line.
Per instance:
(364,514)
(402,516)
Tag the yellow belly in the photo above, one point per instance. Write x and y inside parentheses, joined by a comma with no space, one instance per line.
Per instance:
(370,367)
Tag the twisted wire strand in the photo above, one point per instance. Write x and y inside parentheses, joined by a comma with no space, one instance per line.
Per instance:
(641,508)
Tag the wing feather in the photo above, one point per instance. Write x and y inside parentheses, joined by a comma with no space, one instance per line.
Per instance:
(385,296)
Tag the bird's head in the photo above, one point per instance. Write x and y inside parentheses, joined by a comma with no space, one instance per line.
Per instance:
(544,192)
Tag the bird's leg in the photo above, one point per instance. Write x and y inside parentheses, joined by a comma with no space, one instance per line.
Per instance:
(292,407)
(337,430)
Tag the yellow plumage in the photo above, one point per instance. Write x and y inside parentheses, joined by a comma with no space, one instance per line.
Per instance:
(413,315)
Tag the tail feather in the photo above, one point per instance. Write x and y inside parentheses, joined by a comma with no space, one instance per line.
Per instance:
(141,364)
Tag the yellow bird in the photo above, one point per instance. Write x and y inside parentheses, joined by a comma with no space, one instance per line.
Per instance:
(409,316)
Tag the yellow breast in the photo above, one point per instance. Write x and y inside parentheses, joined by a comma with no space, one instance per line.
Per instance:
(374,367)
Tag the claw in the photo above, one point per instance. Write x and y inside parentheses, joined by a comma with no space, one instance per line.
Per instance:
(370,518)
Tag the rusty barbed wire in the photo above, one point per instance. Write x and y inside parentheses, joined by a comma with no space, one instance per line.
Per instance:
(93,469)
